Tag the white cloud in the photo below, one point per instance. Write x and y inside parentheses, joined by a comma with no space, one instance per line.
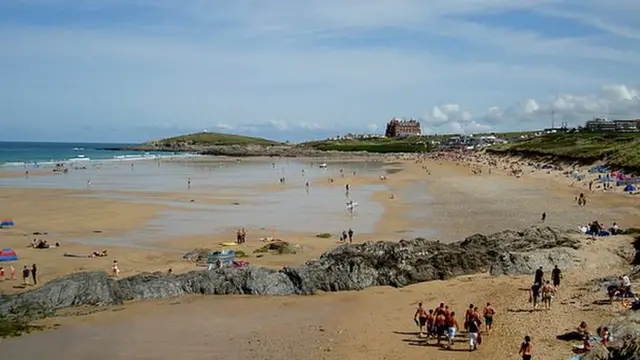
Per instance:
(223,126)
(451,118)
(315,66)
(531,106)
(612,101)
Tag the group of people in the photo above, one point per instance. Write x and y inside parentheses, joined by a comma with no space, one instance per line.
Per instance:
(27,274)
(241,236)
(441,323)
(347,235)
(42,244)
(544,291)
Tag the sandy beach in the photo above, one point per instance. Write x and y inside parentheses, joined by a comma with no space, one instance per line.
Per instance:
(432,198)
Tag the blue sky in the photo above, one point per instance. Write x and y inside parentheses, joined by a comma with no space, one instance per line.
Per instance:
(133,70)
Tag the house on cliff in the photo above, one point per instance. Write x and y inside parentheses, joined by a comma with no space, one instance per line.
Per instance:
(403,128)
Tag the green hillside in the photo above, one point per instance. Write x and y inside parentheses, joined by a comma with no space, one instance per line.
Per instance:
(617,149)
(212,138)
(379,145)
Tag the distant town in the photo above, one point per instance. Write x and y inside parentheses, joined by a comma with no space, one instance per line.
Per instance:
(410,128)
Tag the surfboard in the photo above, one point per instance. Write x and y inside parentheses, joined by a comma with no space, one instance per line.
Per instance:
(229,244)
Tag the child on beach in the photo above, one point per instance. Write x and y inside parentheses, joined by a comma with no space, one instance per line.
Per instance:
(115,270)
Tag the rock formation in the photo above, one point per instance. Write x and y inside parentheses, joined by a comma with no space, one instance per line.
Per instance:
(348,267)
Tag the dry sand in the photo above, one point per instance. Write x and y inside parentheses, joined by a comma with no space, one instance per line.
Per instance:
(372,324)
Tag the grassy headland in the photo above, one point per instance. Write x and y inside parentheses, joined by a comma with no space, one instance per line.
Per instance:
(375,145)
(212,138)
(616,149)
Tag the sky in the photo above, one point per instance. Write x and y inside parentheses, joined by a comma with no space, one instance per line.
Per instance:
(135,70)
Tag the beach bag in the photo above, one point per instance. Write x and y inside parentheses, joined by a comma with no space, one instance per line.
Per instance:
(479,341)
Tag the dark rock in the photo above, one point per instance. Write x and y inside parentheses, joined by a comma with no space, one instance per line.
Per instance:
(197,255)
(279,247)
(348,267)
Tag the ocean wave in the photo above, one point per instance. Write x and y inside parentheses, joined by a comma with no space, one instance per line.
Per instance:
(82,159)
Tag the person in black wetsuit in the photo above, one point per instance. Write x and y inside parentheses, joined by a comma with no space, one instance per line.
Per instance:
(539,275)
(534,294)
(556,274)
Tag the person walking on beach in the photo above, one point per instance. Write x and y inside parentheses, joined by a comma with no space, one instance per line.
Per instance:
(468,316)
(543,217)
(452,327)
(488,313)
(25,275)
(548,291)
(243,236)
(556,274)
(526,348)
(12,272)
(189,183)
(538,276)
(350,233)
(238,236)
(440,325)
(420,318)
(34,272)
(474,330)
(534,295)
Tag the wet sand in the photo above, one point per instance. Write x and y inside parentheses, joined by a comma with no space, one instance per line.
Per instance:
(449,204)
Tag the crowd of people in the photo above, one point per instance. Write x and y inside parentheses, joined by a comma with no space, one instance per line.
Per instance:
(441,324)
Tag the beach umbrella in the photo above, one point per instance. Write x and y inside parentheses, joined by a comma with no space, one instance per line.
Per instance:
(6,223)
(8,255)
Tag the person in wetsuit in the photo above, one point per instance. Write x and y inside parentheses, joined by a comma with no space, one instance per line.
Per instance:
(556,274)
(538,276)
(534,294)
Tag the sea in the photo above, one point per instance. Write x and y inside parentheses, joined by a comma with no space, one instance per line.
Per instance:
(36,154)
(125,176)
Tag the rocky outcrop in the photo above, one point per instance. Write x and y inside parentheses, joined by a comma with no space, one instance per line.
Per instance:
(348,267)
(515,263)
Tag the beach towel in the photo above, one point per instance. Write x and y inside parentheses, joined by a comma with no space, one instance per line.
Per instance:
(75,255)
(229,244)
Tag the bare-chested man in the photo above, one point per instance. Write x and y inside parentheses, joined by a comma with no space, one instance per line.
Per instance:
(548,291)
(440,325)
(488,312)
(468,316)
(421,318)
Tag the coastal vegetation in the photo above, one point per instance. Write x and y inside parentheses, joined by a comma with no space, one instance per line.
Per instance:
(372,145)
(616,149)
(213,138)
(18,322)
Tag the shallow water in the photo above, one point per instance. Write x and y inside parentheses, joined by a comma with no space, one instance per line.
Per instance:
(321,209)
(172,176)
